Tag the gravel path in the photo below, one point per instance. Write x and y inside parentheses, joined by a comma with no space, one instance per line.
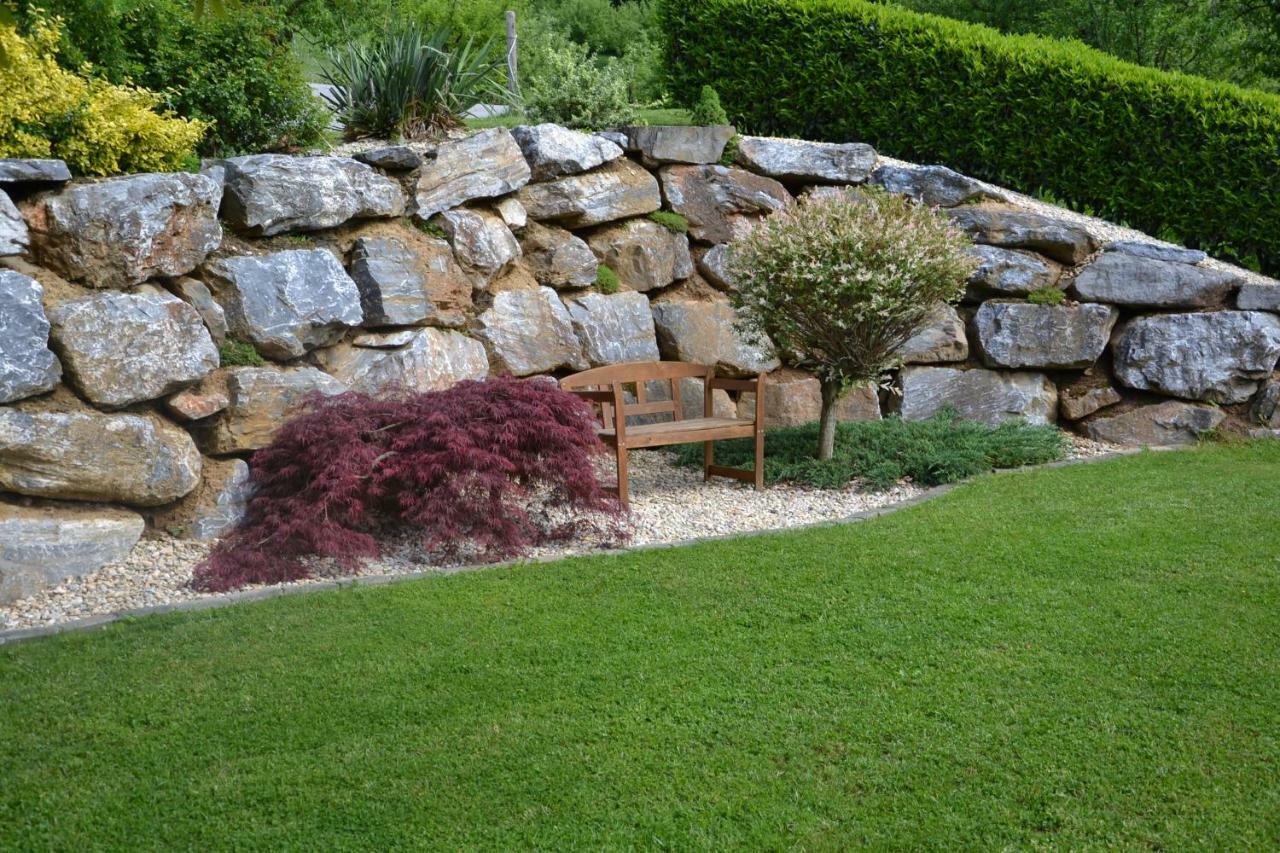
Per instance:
(669,504)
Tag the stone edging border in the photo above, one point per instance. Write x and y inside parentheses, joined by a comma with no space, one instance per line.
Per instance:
(15,635)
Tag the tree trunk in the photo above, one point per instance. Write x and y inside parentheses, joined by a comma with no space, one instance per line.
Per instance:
(827,432)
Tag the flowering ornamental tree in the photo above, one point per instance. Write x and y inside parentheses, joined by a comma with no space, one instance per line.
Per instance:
(841,282)
(479,464)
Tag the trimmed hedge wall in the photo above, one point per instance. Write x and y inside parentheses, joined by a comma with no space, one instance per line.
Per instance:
(1187,159)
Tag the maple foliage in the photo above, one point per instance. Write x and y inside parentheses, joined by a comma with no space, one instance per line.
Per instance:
(481,466)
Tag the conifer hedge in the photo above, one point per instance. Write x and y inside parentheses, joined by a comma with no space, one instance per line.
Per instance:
(1191,160)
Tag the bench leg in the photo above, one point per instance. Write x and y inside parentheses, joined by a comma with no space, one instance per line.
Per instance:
(708,459)
(759,470)
(624,493)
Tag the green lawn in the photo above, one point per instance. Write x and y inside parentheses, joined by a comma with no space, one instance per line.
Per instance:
(1080,657)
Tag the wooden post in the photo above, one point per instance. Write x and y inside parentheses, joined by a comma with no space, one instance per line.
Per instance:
(513,87)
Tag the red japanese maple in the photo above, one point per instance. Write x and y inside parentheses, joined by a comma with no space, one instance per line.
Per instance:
(481,465)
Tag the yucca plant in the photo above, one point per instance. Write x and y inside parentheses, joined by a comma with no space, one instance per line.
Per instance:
(407,83)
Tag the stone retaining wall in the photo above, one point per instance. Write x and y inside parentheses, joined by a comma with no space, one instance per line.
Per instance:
(480,257)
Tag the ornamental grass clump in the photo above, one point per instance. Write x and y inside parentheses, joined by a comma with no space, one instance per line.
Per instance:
(840,283)
(483,468)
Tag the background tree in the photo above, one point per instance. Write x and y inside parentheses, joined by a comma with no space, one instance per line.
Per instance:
(840,283)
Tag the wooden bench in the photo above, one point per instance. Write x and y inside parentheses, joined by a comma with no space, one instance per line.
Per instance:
(606,387)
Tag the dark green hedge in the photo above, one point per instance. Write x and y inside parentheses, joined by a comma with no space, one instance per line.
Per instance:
(1191,160)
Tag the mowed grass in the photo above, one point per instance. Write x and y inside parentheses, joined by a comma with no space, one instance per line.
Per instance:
(1087,656)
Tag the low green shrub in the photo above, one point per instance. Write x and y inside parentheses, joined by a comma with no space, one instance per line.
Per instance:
(670,220)
(707,110)
(607,280)
(578,90)
(1180,157)
(235,353)
(1046,296)
(941,449)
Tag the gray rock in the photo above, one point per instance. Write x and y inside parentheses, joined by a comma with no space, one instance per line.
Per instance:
(385,340)
(141,460)
(430,360)
(934,186)
(512,213)
(553,150)
(678,144)
(195,294)
(1125,279)
(202,400)
(707,333)
(27,365)
(1064,241)
(123,348)
(1008,272)
(1156,251)
(709,196)
(1220,356)
(273,193)
(288,302)
(33,172)
(530,331)
(793,397)
(557,258)
(484,165)
(941,339)
(393,158)
(807,162)
(989,396)
(14,236)
(1258,297)
(714,264)
(123,231)
(1265,410)
(616,190)
(481,240)
(215,507)
(1079,400)
(617,137)
(1050,337)
(393,291)
(644,254)
(1159,425)
(261,400)
(614,328)
(40,546)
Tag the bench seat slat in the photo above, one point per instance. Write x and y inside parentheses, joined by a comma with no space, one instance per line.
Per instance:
(681,432)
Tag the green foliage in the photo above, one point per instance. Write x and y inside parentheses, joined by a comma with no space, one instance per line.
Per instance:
(1046,296)
(235,353)
(1167,153)
(407,82)
(670,220)
(707,109)
(606,280)
(431,227)
(730,153)
(580,91)
(877,454)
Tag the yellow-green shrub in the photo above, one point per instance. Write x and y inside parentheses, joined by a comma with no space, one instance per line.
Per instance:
(97,127)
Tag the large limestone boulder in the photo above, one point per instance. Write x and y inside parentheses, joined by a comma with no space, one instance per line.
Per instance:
(793,397)
(215,507)
(644,254)
(557,258)
(481,240)
(274,193)
(1156,251)
(658,144)
(1220,356)
(806,162)
(261,400)
(935,186)
(484,165)
(14,236)
(530,331)
(710,196)
(42,545)
(1255,296)
(197,295)
(420,360)
(1049,337)
(716,266)
(1172,422)
(1009,272)
(990,396)
(27,365)
(123,348)
(1265,410)
(1125,279)
(1060,239)
(553,150)
(287,302)
(33,172)
(141,460)
(614,328)
(941,339)
(409,279)
(123,231)
(706,333)
(616,190)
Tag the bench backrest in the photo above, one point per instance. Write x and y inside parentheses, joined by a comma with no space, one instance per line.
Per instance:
(640,375)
